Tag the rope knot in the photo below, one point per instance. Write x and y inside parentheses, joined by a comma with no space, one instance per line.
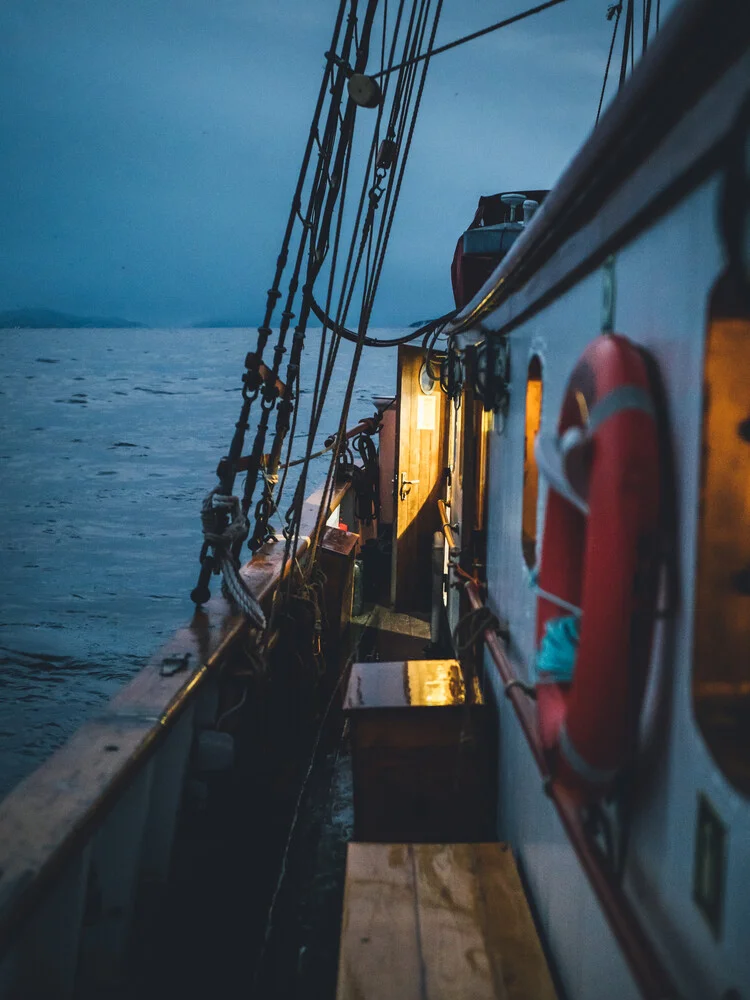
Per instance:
(224,526)
(223,521)
(472,625)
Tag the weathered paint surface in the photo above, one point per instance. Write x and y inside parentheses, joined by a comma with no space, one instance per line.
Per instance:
(663,280)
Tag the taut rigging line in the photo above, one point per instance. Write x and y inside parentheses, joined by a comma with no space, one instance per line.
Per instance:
(614,10)
(334,150)
(317,227)
(252,378)
(266,505)
(398,124)
(475,34)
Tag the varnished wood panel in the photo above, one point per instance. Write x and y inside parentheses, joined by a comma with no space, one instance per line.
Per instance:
(337,550)
(722,601)
(438,922)
(405,684)
(387,464)
(419,457)
(380,954)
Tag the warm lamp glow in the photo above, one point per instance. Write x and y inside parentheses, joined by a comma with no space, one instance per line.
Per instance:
(530,471)
(721,658)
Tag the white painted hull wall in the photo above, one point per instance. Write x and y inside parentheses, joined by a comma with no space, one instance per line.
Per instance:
(663,281)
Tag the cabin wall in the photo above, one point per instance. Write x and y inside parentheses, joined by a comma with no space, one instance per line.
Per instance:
(663,280)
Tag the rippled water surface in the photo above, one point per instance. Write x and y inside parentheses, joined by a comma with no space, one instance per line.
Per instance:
(108,442)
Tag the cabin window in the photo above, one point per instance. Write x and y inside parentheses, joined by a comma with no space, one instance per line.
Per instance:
(530,471)
(721,640)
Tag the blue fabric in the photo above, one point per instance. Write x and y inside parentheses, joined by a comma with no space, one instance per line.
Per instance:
(556,658)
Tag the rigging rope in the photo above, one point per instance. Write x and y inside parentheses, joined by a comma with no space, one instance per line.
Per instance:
(348,283)
(614,10)
(368,243)
(251,380)
(216,511)
(647,21)
(325,368)
(369,299)
(477,34)
(352,337)
(470,627)
(372,193)
(315,262)
(629,18)
(310,228)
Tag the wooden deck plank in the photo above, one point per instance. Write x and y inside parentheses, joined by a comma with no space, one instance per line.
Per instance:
(454,937)
(379,957)
(516,950)
(438,922)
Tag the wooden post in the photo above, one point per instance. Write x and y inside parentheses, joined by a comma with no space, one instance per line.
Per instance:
(337,551)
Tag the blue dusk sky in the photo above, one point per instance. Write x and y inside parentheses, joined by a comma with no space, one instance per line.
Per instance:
(149,148)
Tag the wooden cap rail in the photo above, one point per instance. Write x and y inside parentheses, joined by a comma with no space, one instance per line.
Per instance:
(50,817)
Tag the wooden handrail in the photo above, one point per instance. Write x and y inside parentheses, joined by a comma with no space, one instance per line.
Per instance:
(447,528)
(646,967)
(51,815)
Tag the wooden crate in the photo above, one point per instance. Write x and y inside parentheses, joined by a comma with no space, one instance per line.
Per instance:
(419,754)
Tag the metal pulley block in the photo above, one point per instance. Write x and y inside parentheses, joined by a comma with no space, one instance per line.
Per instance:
(364,90)
(387,154)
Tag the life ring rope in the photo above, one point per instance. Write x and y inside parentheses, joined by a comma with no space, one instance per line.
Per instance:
(596,776)
(625,397)
(552,450)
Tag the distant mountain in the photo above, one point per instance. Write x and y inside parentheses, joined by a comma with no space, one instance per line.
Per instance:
(222,324)
(49,319)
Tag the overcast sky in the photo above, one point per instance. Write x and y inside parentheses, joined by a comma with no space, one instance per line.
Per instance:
(149,148)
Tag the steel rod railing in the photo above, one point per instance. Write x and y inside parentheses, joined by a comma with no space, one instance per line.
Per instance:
(648,970)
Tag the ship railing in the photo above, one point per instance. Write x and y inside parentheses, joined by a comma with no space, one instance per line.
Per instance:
(447,528)
(89,834)
(648,970)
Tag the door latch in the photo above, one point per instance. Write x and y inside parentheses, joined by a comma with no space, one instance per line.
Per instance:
(403,492)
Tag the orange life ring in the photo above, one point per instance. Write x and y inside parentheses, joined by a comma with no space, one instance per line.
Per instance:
(599,556)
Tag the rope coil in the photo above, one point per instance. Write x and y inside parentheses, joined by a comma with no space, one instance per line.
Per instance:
(473,624)
(225,527)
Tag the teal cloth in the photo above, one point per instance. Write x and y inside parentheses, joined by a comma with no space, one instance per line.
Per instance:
(556,658)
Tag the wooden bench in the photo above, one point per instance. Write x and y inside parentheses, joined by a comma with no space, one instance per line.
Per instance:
(438,922)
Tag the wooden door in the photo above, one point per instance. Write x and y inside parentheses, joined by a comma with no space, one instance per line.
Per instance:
(472,475)
(467,424)
(420,462)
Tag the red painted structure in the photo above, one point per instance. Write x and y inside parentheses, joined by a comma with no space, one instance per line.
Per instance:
(599,554)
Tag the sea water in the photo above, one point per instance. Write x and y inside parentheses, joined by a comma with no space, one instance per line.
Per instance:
(109,441)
